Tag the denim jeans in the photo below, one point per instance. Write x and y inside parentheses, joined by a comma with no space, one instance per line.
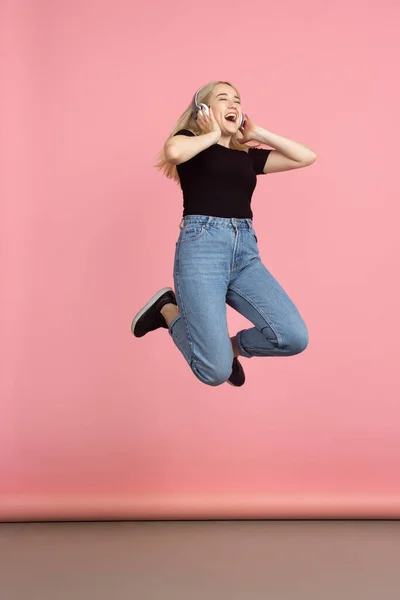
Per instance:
(217,262)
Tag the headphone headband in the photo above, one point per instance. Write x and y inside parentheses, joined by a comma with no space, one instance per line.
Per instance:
(196,97)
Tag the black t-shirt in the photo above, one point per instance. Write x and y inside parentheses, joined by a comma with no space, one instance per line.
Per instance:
(219,182)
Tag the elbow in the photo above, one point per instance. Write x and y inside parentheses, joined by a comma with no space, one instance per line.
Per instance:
(310,159)
(171,153)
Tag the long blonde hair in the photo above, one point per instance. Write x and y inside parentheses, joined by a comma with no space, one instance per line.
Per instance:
(187,121)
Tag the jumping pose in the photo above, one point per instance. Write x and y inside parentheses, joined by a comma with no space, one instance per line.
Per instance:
(217,260)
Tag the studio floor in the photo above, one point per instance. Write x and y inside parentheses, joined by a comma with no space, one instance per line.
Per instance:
(235,560)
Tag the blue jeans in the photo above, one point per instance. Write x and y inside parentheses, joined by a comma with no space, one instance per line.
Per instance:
(217,262)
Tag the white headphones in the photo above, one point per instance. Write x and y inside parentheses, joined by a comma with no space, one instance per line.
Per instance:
(199,106)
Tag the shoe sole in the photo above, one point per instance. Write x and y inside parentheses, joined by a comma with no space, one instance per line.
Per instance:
(150,303)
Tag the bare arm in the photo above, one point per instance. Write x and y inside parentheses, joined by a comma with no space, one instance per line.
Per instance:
(287,155)
(181,148)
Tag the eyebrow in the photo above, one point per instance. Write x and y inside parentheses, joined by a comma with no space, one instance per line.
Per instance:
(225,94)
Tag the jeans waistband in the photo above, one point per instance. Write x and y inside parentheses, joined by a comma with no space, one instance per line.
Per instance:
(216,222)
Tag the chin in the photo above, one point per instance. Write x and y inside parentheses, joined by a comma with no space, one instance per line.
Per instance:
(231,129)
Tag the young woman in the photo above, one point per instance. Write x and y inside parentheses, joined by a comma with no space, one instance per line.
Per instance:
(217,260)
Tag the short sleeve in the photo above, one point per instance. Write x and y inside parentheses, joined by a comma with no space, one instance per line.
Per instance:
(258,157)
(184,132)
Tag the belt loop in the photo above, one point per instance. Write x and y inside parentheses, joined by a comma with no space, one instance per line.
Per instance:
(182,223)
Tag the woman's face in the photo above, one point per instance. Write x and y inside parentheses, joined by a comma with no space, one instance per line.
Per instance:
(225,104)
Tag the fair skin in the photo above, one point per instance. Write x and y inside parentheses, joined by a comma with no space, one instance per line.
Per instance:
(216,128)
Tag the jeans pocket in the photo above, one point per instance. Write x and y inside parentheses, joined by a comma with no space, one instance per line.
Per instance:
(191,233)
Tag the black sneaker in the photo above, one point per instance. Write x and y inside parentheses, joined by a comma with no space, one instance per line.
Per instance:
(150,317)
(237,377)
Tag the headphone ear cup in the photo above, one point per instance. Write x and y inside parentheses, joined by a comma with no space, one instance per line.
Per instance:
(242,121)
(198,109)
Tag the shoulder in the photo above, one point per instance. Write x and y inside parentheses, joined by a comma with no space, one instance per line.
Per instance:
(256,151)
(184,132)
(258,157)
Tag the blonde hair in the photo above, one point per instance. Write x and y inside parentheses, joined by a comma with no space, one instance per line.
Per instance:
(187,121)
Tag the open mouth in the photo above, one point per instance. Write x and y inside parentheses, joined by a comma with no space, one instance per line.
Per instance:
(231,117)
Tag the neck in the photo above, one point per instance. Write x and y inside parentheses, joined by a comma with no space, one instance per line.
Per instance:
(225,140)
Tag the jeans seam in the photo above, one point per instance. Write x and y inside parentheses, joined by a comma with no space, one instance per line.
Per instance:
(170,331)
(260,312)
(183,311)
(193,361)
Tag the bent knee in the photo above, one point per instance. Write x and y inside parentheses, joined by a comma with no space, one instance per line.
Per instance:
(213,374)
(296,341)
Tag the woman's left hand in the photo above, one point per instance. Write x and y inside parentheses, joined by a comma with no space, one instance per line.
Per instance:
(248,131)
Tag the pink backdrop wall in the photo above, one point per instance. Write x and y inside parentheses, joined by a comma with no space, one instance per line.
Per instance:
(97,424)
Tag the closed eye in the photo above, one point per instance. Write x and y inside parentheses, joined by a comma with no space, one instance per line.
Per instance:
(224,97)
(226,100)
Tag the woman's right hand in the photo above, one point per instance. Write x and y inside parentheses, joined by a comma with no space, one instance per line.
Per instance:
(207,123)
(181,148)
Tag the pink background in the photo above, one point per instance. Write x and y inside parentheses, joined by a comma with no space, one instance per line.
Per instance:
(95,423)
